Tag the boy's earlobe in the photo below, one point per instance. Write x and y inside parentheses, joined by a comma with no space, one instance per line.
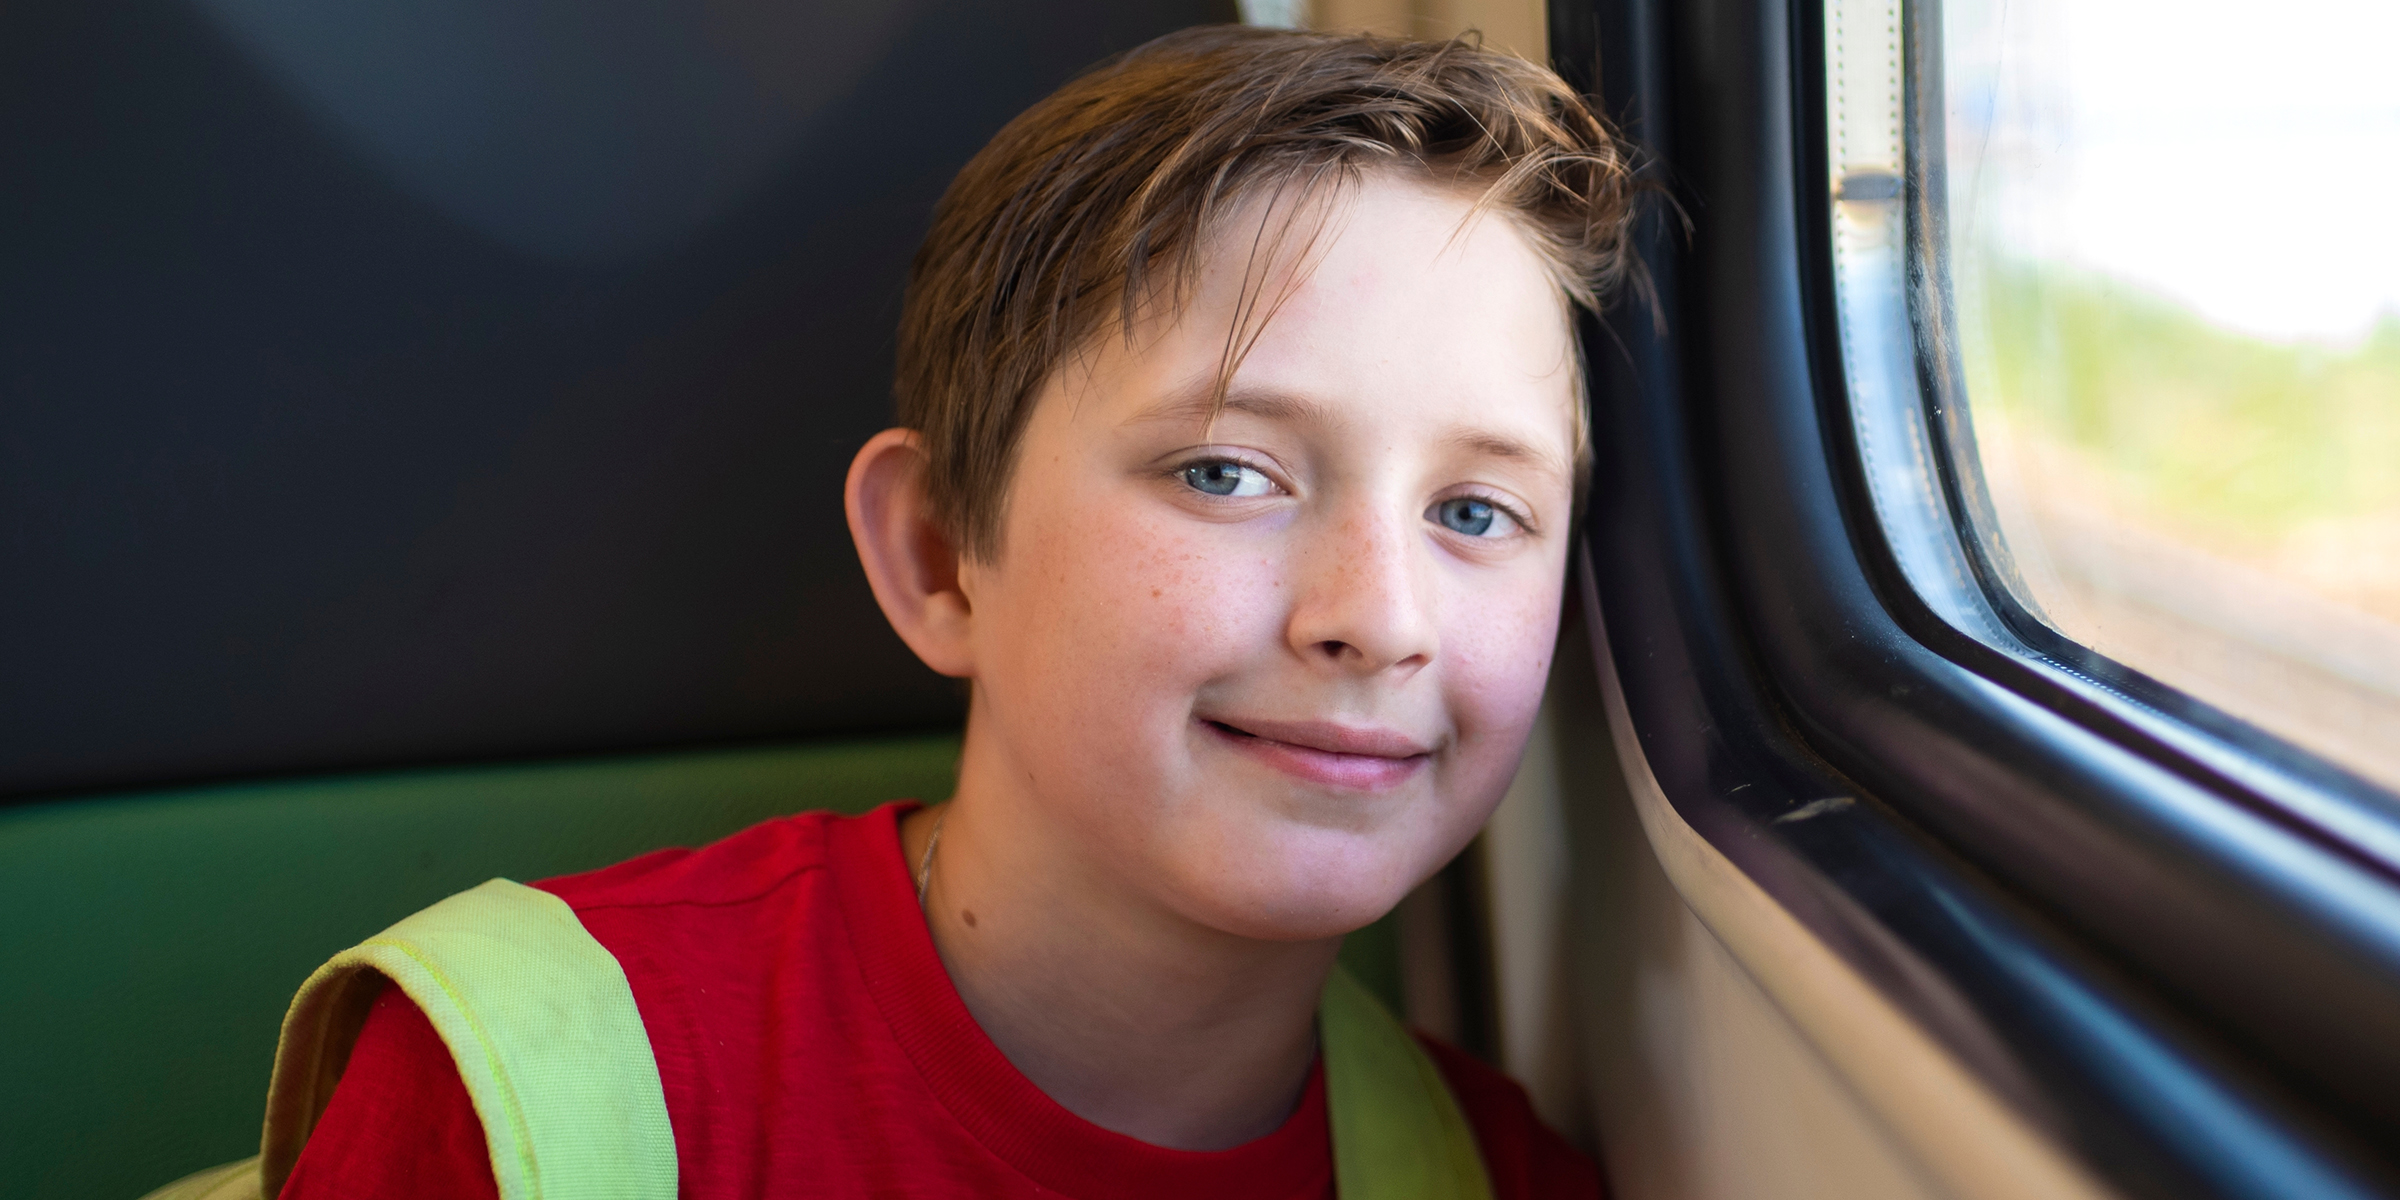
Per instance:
(910,562)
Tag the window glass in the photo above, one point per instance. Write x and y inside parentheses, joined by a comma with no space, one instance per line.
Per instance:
(2174,252)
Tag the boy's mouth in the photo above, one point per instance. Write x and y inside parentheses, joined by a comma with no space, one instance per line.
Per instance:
(1363,758)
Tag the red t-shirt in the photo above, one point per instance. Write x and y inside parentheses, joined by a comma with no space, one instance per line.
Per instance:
(810,1043)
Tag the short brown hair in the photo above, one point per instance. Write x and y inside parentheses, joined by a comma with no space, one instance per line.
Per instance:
(1073,208)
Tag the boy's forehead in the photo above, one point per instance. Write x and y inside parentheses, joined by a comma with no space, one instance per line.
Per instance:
(1399,303)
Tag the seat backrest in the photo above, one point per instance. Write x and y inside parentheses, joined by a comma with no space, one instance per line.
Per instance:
(392,382)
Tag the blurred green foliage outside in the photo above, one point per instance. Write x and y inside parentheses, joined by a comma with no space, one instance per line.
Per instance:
(2223,437)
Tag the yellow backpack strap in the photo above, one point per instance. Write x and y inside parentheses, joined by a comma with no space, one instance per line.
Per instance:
(541,1023)
(1398,1134)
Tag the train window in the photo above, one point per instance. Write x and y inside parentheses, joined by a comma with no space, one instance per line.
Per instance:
(2120,300)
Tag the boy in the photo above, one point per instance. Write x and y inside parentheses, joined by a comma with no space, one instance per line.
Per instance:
(1241,435)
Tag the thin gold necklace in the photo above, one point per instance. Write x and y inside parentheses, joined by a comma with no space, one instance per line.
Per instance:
(925,864)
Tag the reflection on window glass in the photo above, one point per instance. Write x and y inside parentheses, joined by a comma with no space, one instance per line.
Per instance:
(2176,263)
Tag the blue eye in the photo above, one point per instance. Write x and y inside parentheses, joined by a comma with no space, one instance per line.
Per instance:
(1219,477)
(1470,516)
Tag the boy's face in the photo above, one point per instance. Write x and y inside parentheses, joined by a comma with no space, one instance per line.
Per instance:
(1273,667)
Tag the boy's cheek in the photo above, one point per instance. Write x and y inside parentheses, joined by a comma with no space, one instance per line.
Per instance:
(1498,643)
(1128,588)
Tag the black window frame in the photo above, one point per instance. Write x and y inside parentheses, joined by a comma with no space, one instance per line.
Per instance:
(2184,984)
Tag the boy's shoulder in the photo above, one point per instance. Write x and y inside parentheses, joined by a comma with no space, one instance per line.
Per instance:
(743,867)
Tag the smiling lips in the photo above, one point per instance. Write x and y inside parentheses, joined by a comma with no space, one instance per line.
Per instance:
(1320,752)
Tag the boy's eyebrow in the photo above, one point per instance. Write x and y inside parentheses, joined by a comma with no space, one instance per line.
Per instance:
(1197,404)
(1495,445)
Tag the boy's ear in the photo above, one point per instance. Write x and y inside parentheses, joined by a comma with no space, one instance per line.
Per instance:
(910,563)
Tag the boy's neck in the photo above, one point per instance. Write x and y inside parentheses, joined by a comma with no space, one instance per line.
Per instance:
(1130,1016)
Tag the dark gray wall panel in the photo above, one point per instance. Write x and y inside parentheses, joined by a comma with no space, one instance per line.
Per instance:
(442,381)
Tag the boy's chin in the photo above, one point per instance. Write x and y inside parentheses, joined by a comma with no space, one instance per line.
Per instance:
(1277,866)
(1267,923)
(1297,902)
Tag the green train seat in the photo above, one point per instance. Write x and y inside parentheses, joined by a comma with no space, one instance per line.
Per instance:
(154,939)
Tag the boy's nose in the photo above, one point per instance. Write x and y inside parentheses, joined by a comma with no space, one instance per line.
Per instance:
(1362,603)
